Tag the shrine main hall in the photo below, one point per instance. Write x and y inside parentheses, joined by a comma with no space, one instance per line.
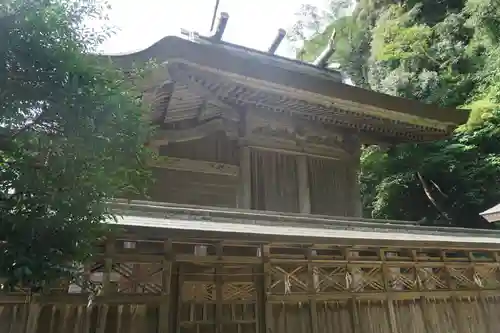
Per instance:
(254,224)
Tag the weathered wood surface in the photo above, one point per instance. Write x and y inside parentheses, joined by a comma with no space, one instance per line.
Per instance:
(275,162)
(158,220)
(183,164)
(227,89)
(209,286)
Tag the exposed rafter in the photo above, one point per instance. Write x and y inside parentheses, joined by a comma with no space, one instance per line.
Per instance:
(234,92)
(228,111)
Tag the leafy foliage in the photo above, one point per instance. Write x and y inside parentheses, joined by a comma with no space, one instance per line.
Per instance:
(71,138)
(443,52)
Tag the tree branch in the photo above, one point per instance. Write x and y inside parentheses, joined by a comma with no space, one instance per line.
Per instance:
(439,189)
(428,193)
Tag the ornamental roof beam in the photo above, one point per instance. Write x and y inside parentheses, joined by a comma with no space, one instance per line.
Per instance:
(199,131)
(240,92)
(232,78)
(221,27)
(327,53)
(277,41)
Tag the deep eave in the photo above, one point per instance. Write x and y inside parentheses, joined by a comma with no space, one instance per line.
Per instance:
(261,72)
(158,219)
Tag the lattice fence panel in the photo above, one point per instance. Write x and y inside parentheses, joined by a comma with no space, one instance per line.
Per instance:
(462,277)
(288,279)
(367,279)
(432,278)
(331,279)
(487,276)
(404,278)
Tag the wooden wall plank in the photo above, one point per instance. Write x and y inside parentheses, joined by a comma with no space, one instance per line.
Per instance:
(454,303)
(274,181)
(245,181)
(356,327)
(102,318)
(184,164)
(299,306)
(52,327)
(32,321)
(303,183)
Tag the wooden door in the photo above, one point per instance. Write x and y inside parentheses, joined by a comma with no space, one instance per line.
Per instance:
(217,298)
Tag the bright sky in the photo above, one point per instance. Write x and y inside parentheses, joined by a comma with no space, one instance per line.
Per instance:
(252,23)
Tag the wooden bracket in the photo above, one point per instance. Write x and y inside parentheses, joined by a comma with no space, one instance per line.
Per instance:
(180,75)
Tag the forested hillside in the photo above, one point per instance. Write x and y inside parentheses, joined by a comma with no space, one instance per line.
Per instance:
(437,51)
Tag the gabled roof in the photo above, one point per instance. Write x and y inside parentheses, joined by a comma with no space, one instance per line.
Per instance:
(203,51)
(242,76)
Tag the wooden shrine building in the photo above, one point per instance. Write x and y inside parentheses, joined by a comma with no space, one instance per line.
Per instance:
(254,223)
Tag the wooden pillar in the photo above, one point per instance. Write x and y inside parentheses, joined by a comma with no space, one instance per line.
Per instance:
(391,313)
(351,286)
(135,277)
(303,185)
(218,291)
(164,312)
(358,207)
(108,266)
(87,310)
(258,279)
(245,180)
(312,292)
(106,284)
(267,312)
(180,282)
(355,146)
